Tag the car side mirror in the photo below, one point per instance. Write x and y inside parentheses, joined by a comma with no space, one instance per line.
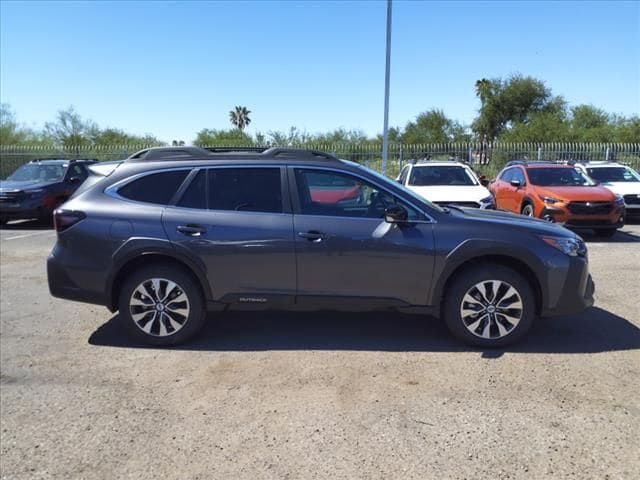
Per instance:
(515,183)
(484,182)
(396,214)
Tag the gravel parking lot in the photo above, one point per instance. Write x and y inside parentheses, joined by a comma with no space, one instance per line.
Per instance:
(323,395)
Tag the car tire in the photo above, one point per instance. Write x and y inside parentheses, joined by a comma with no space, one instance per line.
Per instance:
(527,210)
(182,313)
(605,232)
(509,317)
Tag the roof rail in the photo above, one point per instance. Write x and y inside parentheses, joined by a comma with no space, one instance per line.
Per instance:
(197,153)
(298,152)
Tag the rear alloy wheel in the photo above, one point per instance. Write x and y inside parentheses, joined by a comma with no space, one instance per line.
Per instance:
(489,306)
(161,305)
(605,232)
(527,210)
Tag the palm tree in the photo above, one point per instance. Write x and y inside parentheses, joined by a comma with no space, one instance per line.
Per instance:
(240,117)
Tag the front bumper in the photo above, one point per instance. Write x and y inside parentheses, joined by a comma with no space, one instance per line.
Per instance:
(561,216)
(577,292)
(25,209)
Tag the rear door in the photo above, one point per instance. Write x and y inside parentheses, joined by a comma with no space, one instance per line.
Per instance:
(237,221)
(345,249)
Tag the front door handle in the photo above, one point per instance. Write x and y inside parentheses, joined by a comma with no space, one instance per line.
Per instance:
(313,236)
(191,230)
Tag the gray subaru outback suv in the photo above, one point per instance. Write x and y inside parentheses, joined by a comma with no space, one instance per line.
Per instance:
(169,234)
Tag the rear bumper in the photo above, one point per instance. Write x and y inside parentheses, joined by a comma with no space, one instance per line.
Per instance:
(62,285)
(577,292)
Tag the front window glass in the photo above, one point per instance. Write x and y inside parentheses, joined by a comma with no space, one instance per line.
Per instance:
(613,174)
(441,175)
(407,192)
(558,177)
(518,175)
(342,195)
(37,172)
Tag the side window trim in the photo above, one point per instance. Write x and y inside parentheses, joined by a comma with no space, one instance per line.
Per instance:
(297,210)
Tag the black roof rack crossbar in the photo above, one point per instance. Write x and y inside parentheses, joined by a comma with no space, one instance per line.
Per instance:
(236,149)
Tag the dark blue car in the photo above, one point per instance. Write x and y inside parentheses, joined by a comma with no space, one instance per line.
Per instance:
(37,188)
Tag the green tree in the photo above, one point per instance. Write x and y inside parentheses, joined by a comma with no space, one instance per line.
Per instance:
(12,133)
(233,137)
(434,126)
(114,136)
(504,103)
(70,129)
(240,117)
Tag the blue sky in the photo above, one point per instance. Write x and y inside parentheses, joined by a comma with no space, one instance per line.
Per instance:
(173,68)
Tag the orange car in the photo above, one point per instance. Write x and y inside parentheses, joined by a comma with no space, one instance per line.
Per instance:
(558,193)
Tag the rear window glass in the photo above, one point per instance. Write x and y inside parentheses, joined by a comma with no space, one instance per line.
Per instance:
(154,188)
(245,189)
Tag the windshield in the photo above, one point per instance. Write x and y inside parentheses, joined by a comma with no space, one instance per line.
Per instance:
(441,175)
(558,177)
(407,192)
(36,172)
(613,174)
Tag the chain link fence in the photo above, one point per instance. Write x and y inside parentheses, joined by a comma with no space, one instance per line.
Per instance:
(487,159)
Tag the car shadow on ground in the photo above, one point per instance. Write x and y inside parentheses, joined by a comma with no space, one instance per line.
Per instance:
(620,237)
(27,225)
(593,331)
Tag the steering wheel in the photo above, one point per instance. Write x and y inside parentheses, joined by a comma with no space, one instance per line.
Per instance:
(377,201)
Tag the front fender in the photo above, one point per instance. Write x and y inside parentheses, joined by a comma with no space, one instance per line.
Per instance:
(548,275)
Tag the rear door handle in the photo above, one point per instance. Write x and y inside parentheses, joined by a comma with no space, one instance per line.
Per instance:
(191,230)
(313,236)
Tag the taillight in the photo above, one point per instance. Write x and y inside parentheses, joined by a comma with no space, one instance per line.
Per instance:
(64,219)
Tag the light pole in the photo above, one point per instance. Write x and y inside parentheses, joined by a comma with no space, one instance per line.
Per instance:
(387,68)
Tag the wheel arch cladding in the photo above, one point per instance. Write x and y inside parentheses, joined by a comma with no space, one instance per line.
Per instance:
(149,258)
(453,269)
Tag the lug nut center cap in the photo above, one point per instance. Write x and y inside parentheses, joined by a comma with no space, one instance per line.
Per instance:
(159,307)
(491,309)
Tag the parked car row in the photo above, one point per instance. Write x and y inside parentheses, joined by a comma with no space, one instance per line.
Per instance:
(595,195)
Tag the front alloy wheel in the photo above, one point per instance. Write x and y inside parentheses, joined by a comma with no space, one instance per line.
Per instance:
(489,305)
(491,309)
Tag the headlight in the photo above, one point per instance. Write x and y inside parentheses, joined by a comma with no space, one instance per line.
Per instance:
(574,247)
(619,200)
(549,199)
(488,199)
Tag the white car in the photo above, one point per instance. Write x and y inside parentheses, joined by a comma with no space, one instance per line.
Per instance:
(620,179)
(446,183)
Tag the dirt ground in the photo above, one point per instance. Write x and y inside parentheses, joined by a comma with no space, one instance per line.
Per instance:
(322,395)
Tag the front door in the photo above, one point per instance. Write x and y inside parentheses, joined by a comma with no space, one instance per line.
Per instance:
(237,222)
(345,249)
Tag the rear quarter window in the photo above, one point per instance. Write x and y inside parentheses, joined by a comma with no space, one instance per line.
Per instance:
(156,188)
